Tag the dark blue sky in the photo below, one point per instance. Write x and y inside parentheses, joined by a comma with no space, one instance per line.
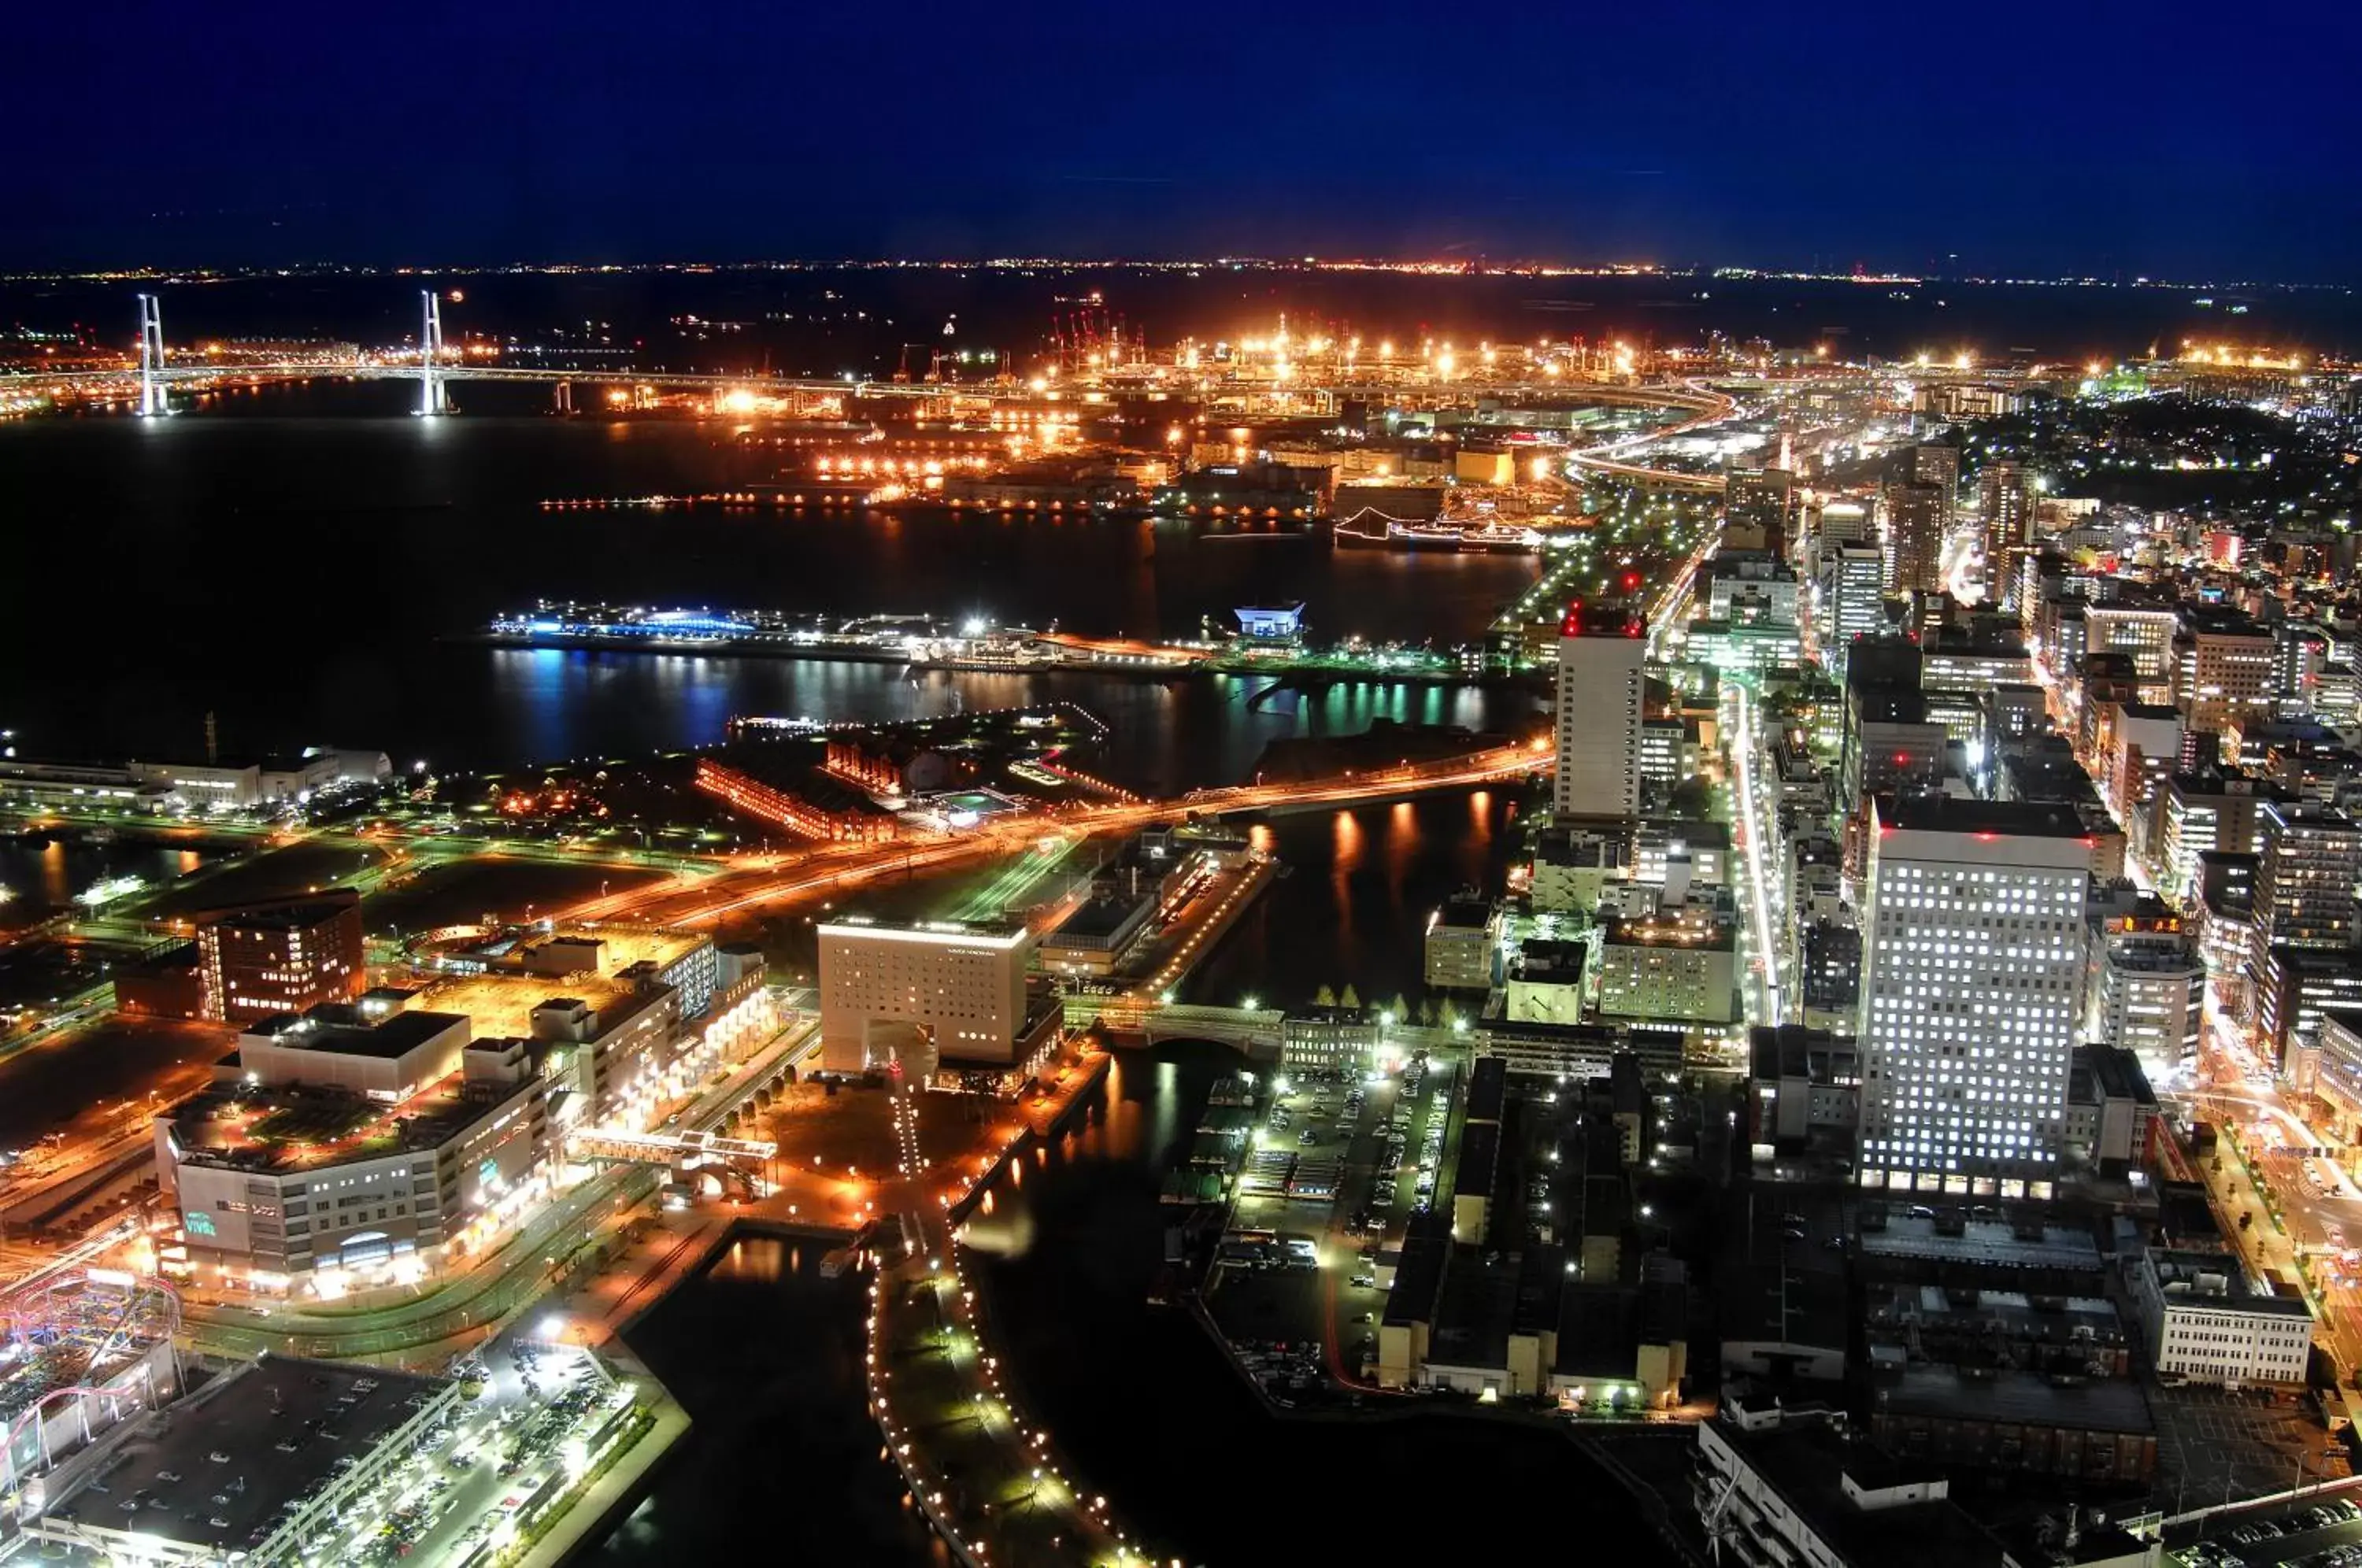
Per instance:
(2162,138)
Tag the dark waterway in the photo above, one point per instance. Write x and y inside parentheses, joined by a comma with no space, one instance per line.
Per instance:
(1354,904)
(767,1357)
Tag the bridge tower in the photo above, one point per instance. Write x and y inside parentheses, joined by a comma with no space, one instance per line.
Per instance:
(152,399)
(431,398)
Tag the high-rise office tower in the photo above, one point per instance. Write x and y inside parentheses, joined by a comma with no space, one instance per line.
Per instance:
(1974,942)
(2001,504)
(2007,522)
(1755,510)
(1600,651)
(1853,590)
(2311,857)
(1914,516)
(1933,464)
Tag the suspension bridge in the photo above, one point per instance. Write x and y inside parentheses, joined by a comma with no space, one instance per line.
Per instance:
(434,366)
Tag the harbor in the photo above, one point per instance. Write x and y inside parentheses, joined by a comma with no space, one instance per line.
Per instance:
(1267,640)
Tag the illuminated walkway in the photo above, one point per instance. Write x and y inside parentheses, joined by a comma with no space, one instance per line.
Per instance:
(988,1479)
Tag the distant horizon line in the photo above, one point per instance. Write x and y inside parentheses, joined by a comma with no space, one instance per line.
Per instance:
(1406,266)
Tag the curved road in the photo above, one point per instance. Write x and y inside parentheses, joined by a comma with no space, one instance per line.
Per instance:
(850,865)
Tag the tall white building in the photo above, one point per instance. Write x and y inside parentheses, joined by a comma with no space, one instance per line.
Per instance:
(919,993)
(1852,589)
(1972,978)
(1600,652)
(2144,990)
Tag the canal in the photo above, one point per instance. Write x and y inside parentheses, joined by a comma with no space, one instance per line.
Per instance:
(767,1356)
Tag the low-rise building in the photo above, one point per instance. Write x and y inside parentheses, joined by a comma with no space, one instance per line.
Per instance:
(1680,966)
(1572,1051)
(288,1181)
(1545,982)
(1779,1484)
(1574,863)
(1099,933)
(1328,1039)
(246,1468)
(2112,1116)
(1802,1082)
(2206,1323)
(1459,951)
(281,961)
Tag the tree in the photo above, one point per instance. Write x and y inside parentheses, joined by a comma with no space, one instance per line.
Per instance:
(1324,997)
(1349,999)
(1401,1009)
(1427,1012)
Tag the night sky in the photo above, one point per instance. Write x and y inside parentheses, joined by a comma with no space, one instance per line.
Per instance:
(2206,143)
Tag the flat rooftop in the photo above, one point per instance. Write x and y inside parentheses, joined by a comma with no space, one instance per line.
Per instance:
(285,917)
(1807,1464)
(2051,1318)
(2236,1292)
(2019,1398)
(1983,1240)
(288,1129)
(1947,813)
(327,1410)
(621,946)
(498,1003)
(343,1031)
(1102,916)
(1704,936)
(1001,933)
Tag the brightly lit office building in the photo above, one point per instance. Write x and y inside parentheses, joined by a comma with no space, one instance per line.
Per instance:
(1600,652)
(934,990)
(1973,975)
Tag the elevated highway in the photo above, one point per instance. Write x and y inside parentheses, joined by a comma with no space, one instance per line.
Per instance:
(839,868)
(1706,407)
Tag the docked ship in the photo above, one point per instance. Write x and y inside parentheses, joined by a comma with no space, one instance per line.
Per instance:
(1369,529)
(994,649)
(1502,538)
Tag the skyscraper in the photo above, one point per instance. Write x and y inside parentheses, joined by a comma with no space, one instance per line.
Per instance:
(1914,516)
(2007,521)
(1973,979)
(1755,510)
(1937,465)
(1853,585)
(2304,887)
(1600,650)
(2001,504)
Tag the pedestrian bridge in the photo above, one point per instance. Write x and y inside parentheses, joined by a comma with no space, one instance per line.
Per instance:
(1255,1031)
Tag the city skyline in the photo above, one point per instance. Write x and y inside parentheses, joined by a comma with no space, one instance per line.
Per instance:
(2027,143)
(1485,770)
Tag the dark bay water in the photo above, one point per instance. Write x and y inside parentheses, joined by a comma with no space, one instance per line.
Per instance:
(295,562)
